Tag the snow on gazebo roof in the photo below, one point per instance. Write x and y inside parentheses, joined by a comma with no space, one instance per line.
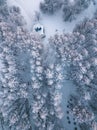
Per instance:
(39,29)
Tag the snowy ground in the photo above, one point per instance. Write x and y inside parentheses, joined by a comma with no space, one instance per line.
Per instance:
(68,89)
(51,24)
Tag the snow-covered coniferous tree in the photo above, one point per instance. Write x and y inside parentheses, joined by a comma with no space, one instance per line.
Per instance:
(2,2)
(50,6)
(79,51)
(29,89)
(72,8)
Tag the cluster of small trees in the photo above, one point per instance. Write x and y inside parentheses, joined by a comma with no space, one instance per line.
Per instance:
(29,87)
(79,51)
(31,79)
(50,6)
(70,8)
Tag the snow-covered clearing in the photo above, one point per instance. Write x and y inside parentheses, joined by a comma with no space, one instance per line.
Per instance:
(52,24)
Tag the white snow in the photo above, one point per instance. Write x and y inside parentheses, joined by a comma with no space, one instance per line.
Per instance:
(53,24)
(87,96)
(39,29)
(28,8)
(68,89)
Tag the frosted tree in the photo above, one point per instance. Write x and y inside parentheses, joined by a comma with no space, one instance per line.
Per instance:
(72,8)
(31,98)
(88,29)
(15,44)
(46,106)
(1,121)
(84,71)
(79,51)
(15,16)
(12,15)
(29,88)
(76,50)
(2,2)
(81,111)
(50,6)
(54,80)
(15,78)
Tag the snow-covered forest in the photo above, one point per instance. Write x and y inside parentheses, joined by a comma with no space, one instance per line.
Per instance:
(48,64)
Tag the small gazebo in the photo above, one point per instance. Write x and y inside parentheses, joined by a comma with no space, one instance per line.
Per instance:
(39,29)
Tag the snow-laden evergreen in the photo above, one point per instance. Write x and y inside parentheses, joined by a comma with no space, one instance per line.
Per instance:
(34,74)
(29,95)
